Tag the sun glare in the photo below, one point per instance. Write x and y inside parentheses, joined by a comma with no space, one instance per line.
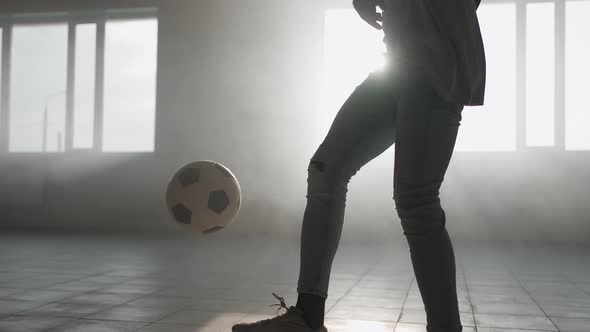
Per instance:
(352,50)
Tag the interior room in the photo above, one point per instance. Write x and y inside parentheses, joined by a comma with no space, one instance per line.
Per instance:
(105,105)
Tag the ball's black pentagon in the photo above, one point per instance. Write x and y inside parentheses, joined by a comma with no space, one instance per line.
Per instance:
(189,176)
(182,214)
(213,230)
(218,201)
(223,170)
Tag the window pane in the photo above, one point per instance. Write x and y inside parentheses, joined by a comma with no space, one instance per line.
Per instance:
(130,85)
(84,85)
(1,47)
(577,124)
(493,125)
(540,74)
(38,86)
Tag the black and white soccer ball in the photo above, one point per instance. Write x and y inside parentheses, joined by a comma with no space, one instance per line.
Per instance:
(204,196)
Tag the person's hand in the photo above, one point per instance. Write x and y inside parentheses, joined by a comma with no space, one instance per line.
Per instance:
(367,10)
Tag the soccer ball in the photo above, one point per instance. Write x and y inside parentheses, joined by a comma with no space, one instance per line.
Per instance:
(203,196)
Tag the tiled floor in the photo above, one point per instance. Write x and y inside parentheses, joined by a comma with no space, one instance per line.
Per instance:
(80,283)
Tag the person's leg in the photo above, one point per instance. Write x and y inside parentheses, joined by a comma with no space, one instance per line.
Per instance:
(361,131)
(427,128)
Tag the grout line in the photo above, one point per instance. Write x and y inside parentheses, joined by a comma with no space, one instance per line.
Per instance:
(534,300)
(407,293)
(468,296)
(370,269)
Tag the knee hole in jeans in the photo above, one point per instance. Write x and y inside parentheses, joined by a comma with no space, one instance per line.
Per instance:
(320,166)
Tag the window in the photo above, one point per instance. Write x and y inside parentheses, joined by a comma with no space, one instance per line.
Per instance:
(540,74)
(492,127)
(577,53)
(84,87)
(130,85)
(352,49)
(55,62)
(38,88)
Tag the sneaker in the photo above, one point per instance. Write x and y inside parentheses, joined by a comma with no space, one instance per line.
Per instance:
(290,321)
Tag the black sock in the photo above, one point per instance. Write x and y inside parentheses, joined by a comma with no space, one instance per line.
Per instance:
(313,307)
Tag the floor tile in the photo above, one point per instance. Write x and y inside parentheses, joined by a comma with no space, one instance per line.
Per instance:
(159,327)
(8,307)
(371,302)
(132,314)
(419,317)
(162,301)
(554,310)
(4,292)
(508,308)
(132,284)
(43,295)
(72,310)
(572,324)
(83,325)
(102,298)
(350,325)
(29,323)
(514,321)
(205,319)
(417,304)
(362,313)
(408,327)
(130,289)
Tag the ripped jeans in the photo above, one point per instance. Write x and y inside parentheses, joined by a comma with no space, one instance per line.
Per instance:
(390,106)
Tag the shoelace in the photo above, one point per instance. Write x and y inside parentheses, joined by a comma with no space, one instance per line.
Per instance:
(281,305)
